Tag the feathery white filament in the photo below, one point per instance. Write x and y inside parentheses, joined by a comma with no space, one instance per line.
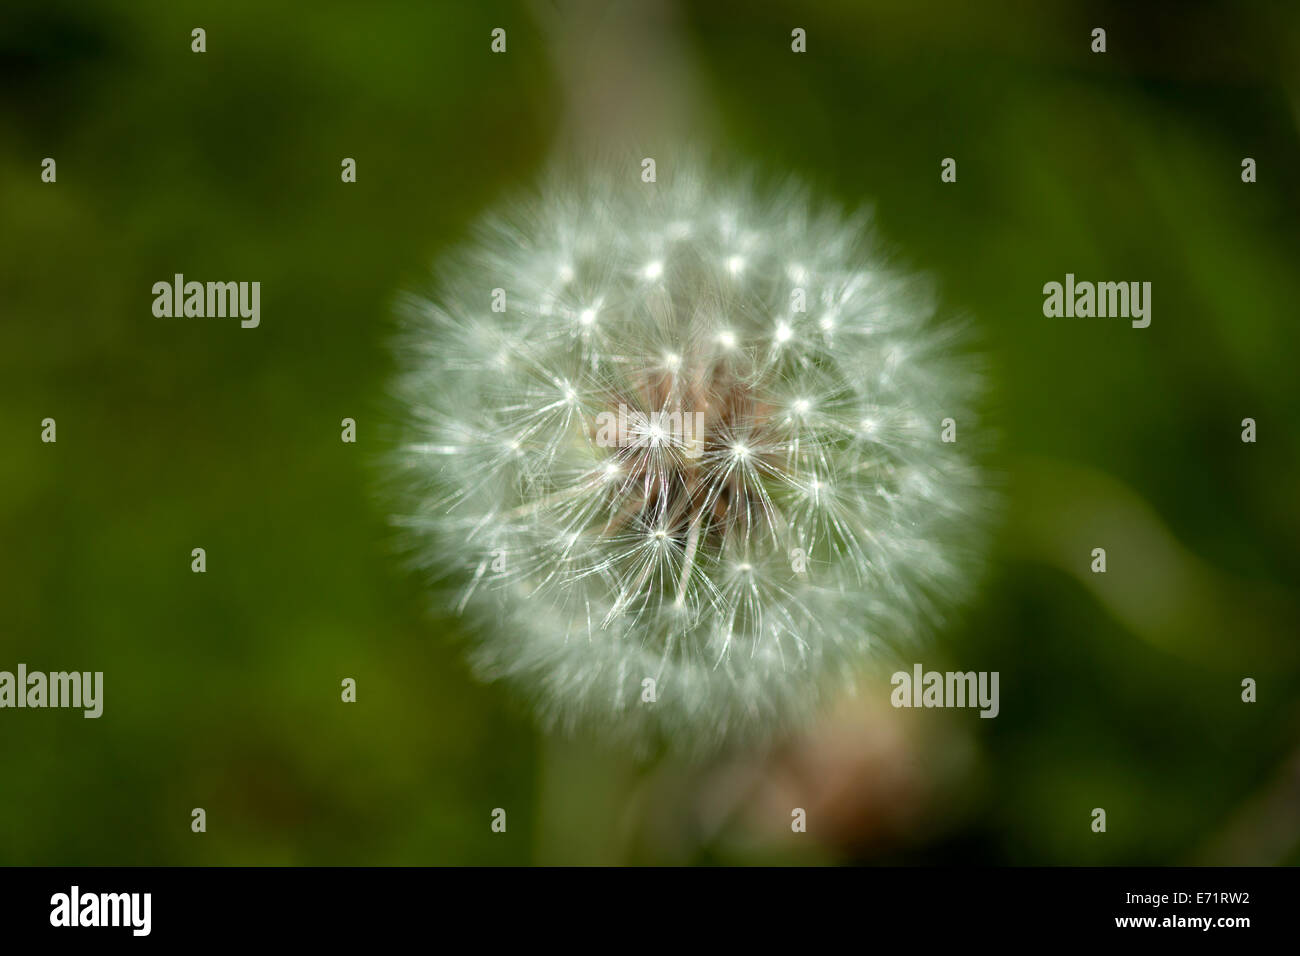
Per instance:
(775,500)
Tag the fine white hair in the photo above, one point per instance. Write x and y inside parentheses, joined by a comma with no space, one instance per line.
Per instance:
(689,586)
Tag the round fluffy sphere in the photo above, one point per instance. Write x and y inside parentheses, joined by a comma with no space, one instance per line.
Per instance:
(690,447)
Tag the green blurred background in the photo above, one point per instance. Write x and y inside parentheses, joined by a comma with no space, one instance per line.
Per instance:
(222,689)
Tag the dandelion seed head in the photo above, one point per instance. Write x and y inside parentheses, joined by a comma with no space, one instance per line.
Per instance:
(746,433)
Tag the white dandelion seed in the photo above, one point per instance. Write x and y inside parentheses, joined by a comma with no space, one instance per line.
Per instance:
(596,566)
